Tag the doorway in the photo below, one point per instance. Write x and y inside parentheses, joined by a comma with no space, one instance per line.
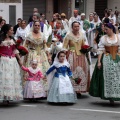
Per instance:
(12,15)
(56,6)
(100,6)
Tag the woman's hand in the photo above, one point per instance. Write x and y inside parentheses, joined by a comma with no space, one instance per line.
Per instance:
(19,60)
(44,41)
(99,65)
(44,78)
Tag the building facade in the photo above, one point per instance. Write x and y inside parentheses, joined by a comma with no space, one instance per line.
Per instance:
(13,9)
(10,10)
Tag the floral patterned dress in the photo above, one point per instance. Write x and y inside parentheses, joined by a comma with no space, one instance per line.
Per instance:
(10,77)
(37,50)
(78,61)
(105,82)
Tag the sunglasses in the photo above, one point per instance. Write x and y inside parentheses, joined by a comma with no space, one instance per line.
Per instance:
(37,25)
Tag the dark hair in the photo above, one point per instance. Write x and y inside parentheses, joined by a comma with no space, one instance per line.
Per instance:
(61,52)
(109,25)
(19,19)
(108,14)
(74,23)
(41,14)
(116,13)
(1,21)
(24,21)
(106,20)
(35,22)
(3,34)
(106,10)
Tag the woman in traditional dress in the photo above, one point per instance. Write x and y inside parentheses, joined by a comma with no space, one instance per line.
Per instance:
(105,81)
(60,86)
(96,23)
(36,44)
(78,62)
(10,77)
(91,30)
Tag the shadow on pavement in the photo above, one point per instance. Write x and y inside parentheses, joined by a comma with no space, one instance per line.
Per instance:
(82,96)
(10,105)
(106,104)
(60,104)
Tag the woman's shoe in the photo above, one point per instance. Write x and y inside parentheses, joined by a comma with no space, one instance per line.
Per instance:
(111,102)
(5,102)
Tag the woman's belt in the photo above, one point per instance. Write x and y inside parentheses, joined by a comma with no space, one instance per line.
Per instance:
(113,50)
(73,49)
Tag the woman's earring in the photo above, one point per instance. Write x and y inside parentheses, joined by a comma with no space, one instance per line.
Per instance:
(6,35)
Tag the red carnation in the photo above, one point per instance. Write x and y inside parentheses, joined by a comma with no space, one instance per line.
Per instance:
(85,49)
(85,46)
(78,80)
(19,41)
(23,51)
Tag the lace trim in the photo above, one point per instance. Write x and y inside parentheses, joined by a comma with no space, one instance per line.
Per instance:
(34,71)
(35,40)
(72,37)
(7,43)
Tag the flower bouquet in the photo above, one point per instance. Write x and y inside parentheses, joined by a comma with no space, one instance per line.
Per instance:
(22,50)
(59,37)
(77,80)
(85,49)
(18,42)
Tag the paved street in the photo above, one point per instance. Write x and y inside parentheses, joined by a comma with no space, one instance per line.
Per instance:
(87,108)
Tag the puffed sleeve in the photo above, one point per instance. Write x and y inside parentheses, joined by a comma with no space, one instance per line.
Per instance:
(27,41)
(101,46)
(50,70)
(40,74)
(119,44)
(44,42)
(25,69)
(66,42)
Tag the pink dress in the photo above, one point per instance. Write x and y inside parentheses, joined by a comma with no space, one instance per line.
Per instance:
(34,85)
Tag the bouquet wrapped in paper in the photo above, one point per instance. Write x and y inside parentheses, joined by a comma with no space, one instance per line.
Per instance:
(77,80)
(85,49)
(22,50)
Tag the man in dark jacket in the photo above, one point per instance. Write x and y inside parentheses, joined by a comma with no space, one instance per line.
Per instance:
(18,25)
(35,10)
